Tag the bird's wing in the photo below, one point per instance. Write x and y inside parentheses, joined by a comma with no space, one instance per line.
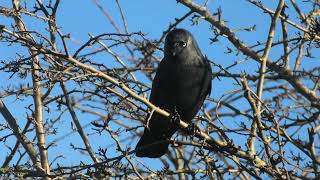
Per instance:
(207,77)
(156,83)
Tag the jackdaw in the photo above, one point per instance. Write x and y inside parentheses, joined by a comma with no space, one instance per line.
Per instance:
(181,84)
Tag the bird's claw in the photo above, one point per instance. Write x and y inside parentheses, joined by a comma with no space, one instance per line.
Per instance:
(192,129)
(175,117)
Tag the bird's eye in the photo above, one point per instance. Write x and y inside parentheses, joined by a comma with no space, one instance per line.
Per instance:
(179,44)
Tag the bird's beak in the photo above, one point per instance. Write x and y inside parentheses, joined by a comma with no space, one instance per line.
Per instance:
(174,53)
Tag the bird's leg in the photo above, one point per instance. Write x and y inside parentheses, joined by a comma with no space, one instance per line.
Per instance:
(175,117)
(192,129)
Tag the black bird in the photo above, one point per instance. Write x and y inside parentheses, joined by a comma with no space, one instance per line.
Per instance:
(181,84)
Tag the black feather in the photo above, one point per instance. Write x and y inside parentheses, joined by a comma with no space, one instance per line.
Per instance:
(182,82)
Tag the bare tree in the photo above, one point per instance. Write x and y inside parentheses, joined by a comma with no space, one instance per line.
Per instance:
(266,126)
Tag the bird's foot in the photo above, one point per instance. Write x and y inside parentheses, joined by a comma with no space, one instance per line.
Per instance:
(175,117)
(192,129)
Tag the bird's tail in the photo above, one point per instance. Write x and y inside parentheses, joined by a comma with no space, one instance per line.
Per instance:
(151,146)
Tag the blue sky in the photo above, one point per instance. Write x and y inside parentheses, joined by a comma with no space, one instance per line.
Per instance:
(152,18)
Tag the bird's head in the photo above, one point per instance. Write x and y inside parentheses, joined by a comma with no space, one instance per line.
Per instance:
(180,44)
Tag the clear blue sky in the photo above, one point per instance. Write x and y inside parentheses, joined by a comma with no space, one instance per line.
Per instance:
(151,17)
